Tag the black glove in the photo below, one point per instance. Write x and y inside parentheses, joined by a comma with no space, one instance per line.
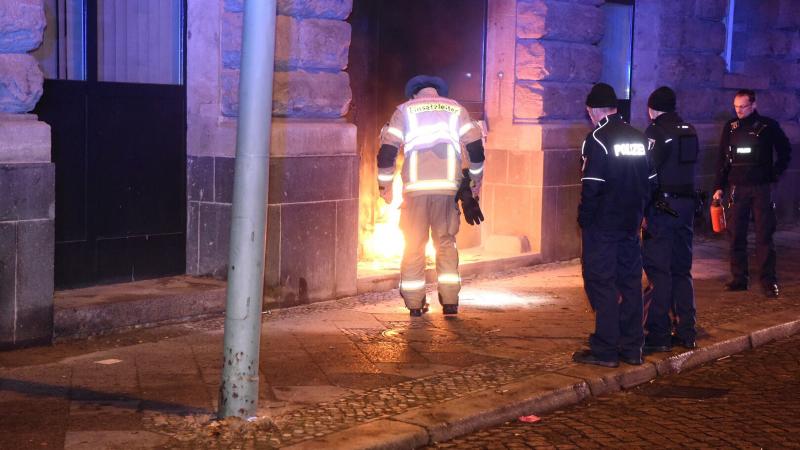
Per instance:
(469,204)
(472,211)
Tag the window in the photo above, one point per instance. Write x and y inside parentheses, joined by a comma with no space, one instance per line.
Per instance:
(62,55)
(127,41)
(139,41)
(617,48)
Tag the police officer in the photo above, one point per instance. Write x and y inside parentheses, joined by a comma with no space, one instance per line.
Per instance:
(431,129)
(747,169)
(616,187)
(667,247)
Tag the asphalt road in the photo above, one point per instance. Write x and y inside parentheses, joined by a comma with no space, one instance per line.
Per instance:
(749,400)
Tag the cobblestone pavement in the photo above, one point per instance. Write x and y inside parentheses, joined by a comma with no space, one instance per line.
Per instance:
(747,400)
(329,366)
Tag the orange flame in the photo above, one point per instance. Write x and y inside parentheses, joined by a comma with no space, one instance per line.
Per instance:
(383,243)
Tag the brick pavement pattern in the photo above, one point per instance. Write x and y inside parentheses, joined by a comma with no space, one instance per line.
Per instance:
(330,367)
(747,400)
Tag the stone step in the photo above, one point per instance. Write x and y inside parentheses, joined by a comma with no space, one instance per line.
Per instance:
(98,310)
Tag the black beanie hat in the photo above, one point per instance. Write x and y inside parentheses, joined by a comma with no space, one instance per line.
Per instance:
(420,82)
(601,96)
(662,99)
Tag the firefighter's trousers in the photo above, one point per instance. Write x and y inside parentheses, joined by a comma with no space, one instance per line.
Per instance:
(436,216)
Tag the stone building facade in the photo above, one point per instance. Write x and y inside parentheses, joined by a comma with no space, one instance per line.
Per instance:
(27,180)
(541,59)
(313,192)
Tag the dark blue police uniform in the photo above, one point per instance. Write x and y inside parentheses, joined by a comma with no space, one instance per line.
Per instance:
(746,165)
(616,187)
(667,246)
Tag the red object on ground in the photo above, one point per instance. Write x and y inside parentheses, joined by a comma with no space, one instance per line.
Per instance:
(530,419)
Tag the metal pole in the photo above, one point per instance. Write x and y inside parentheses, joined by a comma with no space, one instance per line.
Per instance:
(238,393)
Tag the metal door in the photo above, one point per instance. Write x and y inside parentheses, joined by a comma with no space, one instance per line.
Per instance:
(115,98)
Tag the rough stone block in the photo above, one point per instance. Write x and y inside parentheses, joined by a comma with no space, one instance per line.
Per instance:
(761,15)
(234,5)
(34,283)
(213,239)
(789,14)
(28,191)
(23,139)
(307,94)
(200,178)
(297,180)
(296,94)
(346,247)
(742,81)
(22,23)
(560,232)
(794,49)
(701,104)
(711,9)
(298,137)
(231,40)
(316,44)
(784,74)
(308,253)
(192,235)
(779,104)
(690,33)
(550,100)
(21,83)
(223,179)
(557,20)
(691,69)
(558,61)
(678,8)
(311,44)
(8,273)
(769,43)
(325,9)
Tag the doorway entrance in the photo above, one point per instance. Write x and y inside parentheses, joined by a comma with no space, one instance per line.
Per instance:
(115,98)
(392,41)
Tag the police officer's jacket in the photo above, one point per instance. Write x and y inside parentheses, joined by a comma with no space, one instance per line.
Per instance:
(673,148)
(431,130)
(616,177)
(746,152)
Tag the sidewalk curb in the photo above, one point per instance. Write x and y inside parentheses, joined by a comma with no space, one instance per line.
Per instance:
(542,393)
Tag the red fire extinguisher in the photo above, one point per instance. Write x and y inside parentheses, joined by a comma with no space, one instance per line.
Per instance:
(718,223)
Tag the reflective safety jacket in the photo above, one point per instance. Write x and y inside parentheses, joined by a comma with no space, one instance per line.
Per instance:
(431,131)
(617,179)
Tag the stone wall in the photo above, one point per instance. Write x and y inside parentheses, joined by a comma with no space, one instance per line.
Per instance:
(542,62)
(542,58)
(27,183)
(313,210)
(679,44)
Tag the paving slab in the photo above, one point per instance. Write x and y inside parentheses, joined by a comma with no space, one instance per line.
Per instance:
(358,372)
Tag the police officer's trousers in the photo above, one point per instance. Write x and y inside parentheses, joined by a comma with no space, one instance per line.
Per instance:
(612,277)
(758,199)
(436,216)
(667,259)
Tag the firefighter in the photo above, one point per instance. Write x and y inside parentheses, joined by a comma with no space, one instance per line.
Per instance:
(616,187)
(667,247)
(432,131)
(747,169)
